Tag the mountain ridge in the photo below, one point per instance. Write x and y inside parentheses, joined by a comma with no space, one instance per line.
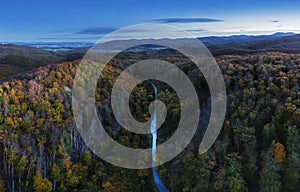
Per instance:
(19,58)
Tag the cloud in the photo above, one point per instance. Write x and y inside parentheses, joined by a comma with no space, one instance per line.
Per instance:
(68,30)
(66,38)
(196,30)
(134,30)
(274,21)
(186,20)
(106,30)
(96,31)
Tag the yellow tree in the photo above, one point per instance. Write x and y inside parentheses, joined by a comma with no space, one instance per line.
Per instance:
(40,184)
(279,152)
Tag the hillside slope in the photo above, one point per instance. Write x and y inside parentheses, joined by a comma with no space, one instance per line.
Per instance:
(16,59)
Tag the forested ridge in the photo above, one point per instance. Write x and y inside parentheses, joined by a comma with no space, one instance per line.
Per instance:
(16,59)
(257,150)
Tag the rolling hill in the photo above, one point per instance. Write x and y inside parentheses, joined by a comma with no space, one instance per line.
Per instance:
(16,59)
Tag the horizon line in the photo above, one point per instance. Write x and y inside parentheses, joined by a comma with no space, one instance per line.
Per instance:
(83,40)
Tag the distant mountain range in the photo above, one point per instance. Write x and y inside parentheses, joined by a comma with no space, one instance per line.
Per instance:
(208,41)
(216,40)
(56,46)
(20,57)
(281,42)
(236,44)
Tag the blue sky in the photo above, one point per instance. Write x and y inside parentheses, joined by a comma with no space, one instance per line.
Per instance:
(70,20)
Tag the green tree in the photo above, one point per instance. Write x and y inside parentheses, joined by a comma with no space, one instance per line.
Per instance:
(292,165)
(55,175)
(233,175)
(270,177)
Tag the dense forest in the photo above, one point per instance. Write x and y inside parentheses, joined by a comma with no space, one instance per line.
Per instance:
(258,148)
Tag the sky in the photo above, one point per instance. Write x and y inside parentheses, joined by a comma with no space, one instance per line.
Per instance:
(89,20)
